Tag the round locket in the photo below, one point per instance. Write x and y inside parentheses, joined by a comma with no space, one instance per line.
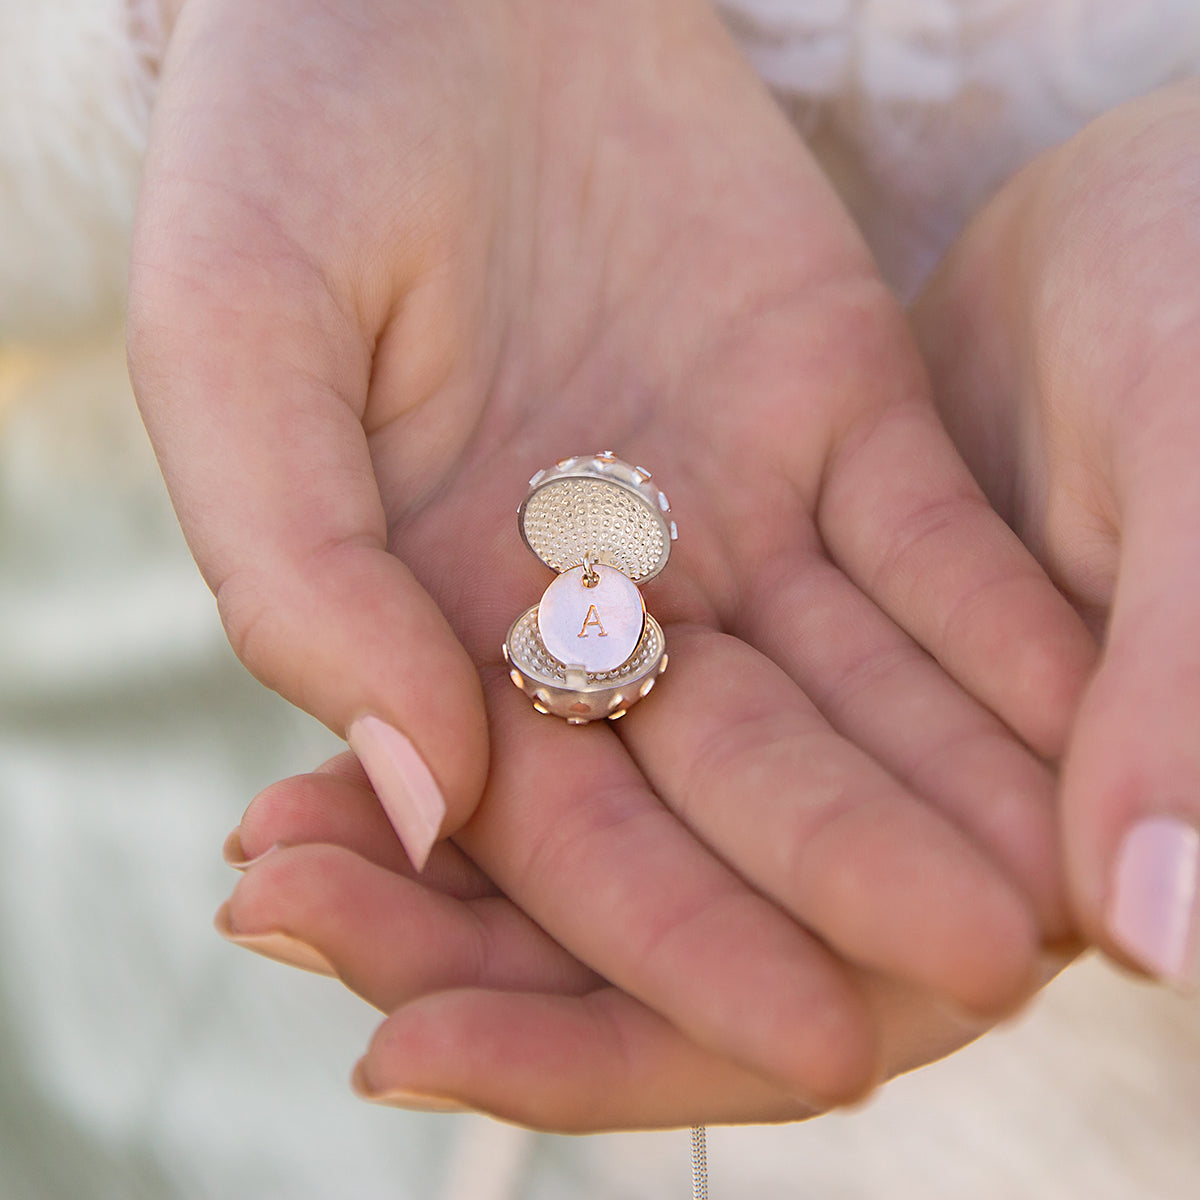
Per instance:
(589,649)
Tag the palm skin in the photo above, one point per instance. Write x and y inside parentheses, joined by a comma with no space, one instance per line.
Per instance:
(393,259)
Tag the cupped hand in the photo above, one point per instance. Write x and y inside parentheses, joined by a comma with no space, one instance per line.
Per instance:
(393,258)
(487,1011)
(1064,338)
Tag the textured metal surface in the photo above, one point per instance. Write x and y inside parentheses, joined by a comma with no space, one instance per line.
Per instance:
(599,505)
(580,697)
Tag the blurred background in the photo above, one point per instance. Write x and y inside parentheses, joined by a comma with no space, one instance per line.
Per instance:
(142,1057)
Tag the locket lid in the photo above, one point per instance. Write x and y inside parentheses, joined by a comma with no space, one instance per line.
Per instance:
(602,506)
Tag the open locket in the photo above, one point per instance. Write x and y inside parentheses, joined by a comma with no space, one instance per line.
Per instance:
(589,649)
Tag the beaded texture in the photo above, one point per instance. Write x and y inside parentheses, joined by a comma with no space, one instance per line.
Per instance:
(591,510)
(568,517)
(598,505)
(525,646)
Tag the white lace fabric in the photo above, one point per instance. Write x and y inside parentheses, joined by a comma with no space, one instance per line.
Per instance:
(920,109)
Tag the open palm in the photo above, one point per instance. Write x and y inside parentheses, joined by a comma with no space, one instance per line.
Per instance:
(393,260)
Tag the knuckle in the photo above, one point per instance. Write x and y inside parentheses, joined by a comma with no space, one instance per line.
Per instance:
(250,622)
(755,749)
(845,1063)
(875,671)
(917,541)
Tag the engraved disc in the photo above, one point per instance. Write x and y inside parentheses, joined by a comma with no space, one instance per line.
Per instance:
(597,628)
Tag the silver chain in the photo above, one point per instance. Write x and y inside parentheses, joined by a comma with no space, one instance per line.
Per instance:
(699,1164)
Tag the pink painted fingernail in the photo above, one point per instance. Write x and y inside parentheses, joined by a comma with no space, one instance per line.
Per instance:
(398,1098)
(282,947)
(406,789)
(1154,909)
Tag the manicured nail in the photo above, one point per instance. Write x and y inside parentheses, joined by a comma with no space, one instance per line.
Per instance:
(234,853)
(1153,911)
(408,792)
(282,947)
(397,1098)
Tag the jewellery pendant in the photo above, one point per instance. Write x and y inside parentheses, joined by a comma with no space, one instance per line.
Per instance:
(589,649)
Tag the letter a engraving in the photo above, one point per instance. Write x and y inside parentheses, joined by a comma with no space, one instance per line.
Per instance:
(592,618)
(595,628)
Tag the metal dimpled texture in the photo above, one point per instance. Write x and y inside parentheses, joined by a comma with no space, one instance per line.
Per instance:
(526,648)
(598,505)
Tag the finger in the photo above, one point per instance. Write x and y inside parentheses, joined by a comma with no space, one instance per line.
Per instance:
(564,1064)
(882,692)
(735,749)
(389,938)
(1132,777)
(902,517)
(569,830)
(252,369)
(337,805)
(602,1061)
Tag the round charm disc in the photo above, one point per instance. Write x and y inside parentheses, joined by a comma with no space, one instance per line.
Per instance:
(597,627)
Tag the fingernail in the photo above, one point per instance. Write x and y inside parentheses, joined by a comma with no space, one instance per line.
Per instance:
(398,1098)
(1152,912)
(234,853)
(282,947)
(406,789)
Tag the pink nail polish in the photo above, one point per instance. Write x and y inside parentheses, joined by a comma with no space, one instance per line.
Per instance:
(406,789)
(1154,909)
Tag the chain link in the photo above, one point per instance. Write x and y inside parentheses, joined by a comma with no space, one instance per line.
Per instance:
(699,1164)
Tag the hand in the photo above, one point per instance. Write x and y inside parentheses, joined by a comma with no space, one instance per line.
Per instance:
(487,1010)
(391,259)
(1062,335)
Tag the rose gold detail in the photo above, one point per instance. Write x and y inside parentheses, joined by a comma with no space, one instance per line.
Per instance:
(592,618)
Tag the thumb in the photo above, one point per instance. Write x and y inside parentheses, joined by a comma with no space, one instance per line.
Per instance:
(252,394)
(1131,800)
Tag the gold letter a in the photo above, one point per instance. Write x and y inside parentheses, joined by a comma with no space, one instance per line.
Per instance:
(592,618)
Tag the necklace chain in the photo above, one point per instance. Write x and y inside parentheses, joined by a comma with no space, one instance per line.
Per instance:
(699,1164)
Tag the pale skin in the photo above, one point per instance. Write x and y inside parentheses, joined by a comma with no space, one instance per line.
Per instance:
(391,258)
(1062,338)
